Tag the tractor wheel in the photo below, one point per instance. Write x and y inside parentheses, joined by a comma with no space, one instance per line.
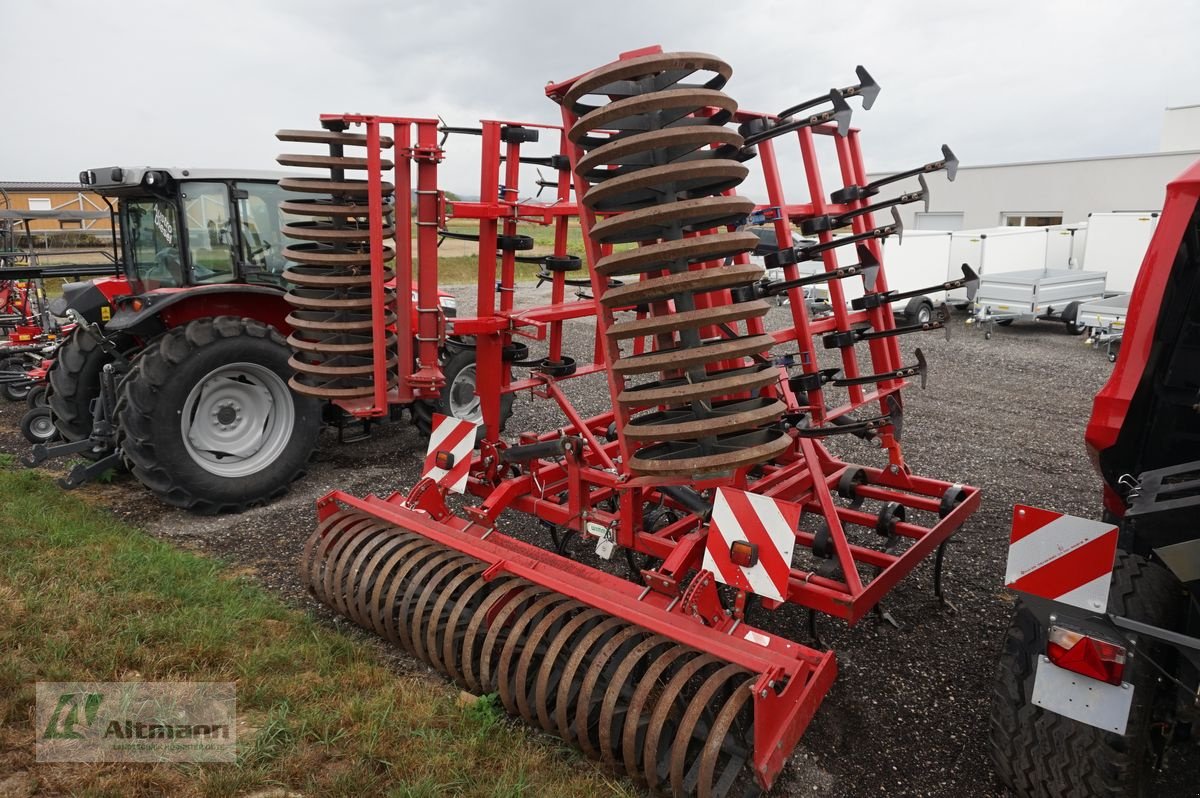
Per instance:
(458,398)
(36,397)
(13,392)
(1041,753)
(37,426)
(75,382)
(207,419)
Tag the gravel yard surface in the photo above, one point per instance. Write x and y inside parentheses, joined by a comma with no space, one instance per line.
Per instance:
(908,712)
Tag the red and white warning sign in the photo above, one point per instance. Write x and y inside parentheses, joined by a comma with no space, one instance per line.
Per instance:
(1061,557)
(448,458)
(750,542)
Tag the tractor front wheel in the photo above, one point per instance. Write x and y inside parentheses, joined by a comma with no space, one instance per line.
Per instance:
(1039,753)
(207,419)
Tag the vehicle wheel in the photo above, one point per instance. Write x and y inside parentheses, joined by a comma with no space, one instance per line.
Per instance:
(1005,322)
(36,396)
(37,426)
(1040,753)
(918,311)
(14,392)
(458,397)
(1069,315)
(207,419)
(74,381)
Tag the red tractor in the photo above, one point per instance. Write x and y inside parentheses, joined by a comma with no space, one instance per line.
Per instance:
(1099,679)
(179,368)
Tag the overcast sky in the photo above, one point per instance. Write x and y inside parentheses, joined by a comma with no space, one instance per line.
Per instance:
(207,83)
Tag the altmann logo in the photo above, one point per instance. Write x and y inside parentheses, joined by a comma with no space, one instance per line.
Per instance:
(136,722)
(67,715)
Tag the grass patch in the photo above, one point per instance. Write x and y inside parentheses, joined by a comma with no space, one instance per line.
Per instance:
(85,598)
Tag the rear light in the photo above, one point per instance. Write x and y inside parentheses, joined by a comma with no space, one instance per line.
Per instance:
(444,460)
(1087,656)
(743,553)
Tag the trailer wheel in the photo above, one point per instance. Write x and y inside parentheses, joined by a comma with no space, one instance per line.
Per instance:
(207,419)
(74,381)
(918,311)
(458,398)
(1040,753)
(37,426)
(1005,322)
(1069,315)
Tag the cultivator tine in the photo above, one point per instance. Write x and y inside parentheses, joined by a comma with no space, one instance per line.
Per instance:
(761,129)
(837,340)
(800,254)
(866,88)
(898,374)
(947,163)
(821,224)
(866,301)
(867,267)
(669,715)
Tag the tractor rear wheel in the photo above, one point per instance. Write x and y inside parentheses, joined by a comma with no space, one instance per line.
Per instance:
(207,419)
(74,381)
(1041,753)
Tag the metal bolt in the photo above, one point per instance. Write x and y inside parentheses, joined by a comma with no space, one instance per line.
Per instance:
(763,694)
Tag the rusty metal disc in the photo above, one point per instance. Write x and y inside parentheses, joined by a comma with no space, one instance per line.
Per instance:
(545,690)
(540,637)
(329,161)
(684,358)
(672,67)
(330,137)
(658,221)
(734,451)
(686,424)
(695,727)
(689,319)
(618,694)
(668,710)
(678,180)
(331,233)
(730,746)
(321,185)
(682,390)
(590,701)
(630,113)
(571,680)
(698,281)
(643,702)
(668,144)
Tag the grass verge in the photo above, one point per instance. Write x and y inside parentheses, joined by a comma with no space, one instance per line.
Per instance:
(85,598)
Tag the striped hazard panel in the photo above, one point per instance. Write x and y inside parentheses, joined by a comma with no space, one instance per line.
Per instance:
(1061,557)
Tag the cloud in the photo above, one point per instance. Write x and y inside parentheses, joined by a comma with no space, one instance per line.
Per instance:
(207,84)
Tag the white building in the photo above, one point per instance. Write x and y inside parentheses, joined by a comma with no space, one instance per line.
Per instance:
(1054,192)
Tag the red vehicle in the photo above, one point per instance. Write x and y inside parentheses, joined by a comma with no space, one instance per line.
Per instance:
(197,403)
(1100,672)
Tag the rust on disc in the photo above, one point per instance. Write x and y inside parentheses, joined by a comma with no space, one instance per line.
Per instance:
(677,141)
(732,417)
(642,706)
(709,784)
(329,161)
(330,137)
(683,358)
(698,281)
(612,114)
(546,685)
(733,457)
(644,66)
(671,702)
(689,734)
(688,178)
(689,319)
(681,391)
(326,232)
(321,185)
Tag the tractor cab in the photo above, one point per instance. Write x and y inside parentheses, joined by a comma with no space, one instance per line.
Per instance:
(188,227)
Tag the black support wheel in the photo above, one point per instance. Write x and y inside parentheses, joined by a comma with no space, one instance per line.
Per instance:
(74,381)
(207,420)
(1041,753)
(14,391)
(37,426)
(459,397)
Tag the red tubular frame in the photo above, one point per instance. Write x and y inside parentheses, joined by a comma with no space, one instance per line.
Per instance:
(578,492)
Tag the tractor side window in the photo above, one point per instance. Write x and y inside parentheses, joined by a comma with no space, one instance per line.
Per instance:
(210,232)
(154,247)
(262,232)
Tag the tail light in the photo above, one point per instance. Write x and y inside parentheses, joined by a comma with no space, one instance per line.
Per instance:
(1088,656)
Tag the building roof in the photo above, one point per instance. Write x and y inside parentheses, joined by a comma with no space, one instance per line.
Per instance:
(1051,162)
(40,185)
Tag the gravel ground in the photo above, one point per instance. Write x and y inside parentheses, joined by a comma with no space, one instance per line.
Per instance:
(908,713)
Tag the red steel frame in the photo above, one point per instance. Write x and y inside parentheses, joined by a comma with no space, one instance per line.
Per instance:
(579,492)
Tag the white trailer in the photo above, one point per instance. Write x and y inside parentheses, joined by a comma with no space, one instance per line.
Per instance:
(1041,294)
(1116,245)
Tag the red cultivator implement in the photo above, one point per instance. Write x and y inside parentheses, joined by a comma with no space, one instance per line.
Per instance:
(709,473)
